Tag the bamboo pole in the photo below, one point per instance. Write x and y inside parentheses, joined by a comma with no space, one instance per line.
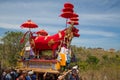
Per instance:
(61,77)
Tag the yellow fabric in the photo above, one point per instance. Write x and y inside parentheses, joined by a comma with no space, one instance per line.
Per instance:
(57,66)
(19,64)
(63,59)
(22,53)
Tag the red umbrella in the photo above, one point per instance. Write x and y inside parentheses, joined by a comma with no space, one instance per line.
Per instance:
(42,32)
(67,10)
(73,22)
(74,19)
(68,5)
(75,15)
(29,24)
(66,15)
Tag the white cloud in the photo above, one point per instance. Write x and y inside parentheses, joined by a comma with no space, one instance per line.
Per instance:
(98,32)
(100,16)
(105,43)
(85,42)
(100,19)
(9,26)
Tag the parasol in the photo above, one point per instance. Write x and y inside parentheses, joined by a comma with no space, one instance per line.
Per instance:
(42,32)
(68,4)
(29,24)
(74,20)
(75,15)
(67,12)
(66,15)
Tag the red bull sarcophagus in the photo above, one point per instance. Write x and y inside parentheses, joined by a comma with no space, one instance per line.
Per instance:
(58,45)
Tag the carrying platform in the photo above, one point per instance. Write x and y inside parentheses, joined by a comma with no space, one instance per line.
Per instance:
(41,66)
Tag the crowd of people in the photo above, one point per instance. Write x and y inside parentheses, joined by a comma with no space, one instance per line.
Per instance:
(12,74)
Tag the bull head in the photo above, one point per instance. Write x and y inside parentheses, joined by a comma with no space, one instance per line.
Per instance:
(71,32)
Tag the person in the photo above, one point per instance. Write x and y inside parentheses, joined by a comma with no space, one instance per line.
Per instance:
(33,76)
(62,57)
(22,76)
(18,73)
(28,75)
(73,58)
(31,53)
(8,76)
(3,75)
(68,55)
(74,75)
(27,51)
(13,74)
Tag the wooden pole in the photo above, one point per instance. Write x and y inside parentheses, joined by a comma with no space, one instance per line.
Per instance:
(61,77)
(37,74)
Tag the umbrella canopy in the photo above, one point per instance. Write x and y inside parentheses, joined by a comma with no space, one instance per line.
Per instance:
(66,14)
(66,5)
(73,22)
(75,15)
(29,24)
(42,32)
(74,19)
(67,10)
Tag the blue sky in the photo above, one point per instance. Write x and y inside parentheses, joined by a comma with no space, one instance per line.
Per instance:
(99,20)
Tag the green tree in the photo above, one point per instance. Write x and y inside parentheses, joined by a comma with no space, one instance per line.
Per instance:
(10,47)
(105,57)
(92,59)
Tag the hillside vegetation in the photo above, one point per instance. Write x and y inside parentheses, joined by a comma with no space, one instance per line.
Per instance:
(94,63)
(97,64)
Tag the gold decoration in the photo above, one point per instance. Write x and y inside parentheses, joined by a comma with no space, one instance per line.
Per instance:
(51,42)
